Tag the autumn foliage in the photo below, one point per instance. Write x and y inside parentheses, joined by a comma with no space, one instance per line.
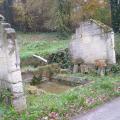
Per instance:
(58,15)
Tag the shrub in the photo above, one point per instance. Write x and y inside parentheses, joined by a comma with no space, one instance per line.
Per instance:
(115,5)
(6,97)
(62,58)
(115,68)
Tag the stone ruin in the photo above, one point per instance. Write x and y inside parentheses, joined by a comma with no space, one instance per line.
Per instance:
(92,45)
(10,73)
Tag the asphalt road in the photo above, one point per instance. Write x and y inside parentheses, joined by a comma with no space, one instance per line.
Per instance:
(109,111)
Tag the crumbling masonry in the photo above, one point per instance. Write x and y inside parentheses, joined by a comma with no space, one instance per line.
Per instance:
(10,73)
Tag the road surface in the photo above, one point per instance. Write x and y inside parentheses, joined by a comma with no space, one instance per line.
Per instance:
(109,111)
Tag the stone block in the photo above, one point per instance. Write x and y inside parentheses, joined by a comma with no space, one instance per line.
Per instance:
(5,25)
(17,95)
(12,60)
(14,77)
(20,104)
(10,33)
(17,88)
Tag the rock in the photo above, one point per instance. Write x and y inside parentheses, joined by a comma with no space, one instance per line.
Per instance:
(64,71)
(40,92)
(32,90)
(70,80)
(35,91)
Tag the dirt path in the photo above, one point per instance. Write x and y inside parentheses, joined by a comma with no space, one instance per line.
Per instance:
(109,111)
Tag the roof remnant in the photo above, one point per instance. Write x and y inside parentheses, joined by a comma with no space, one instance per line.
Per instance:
(102,25)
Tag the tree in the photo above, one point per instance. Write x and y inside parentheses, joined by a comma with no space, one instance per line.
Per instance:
(34,15)
(115,6)
(8,10)
(63,16)
(58,15)
(1,1)
(71,12)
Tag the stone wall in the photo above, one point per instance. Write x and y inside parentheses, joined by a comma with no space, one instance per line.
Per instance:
(92,42)
(10,73)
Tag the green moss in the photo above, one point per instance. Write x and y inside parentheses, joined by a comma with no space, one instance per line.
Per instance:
(102,25)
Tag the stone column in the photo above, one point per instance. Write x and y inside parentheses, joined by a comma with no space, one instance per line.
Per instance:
(10,73)
(14,79)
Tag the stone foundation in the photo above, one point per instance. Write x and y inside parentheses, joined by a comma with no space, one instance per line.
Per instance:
(70,80)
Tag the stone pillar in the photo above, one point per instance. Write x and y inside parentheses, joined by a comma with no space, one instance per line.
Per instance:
(3,54)
(111,48)
(13,67)
(3,63)
(10,73)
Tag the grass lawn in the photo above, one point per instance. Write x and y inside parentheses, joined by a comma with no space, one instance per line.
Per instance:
(73,101)
(46,43)
(40,43)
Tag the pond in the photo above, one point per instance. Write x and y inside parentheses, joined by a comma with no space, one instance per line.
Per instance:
(54,87)
(58,84)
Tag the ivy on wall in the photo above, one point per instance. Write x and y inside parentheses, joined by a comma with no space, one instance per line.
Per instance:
(62,57)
